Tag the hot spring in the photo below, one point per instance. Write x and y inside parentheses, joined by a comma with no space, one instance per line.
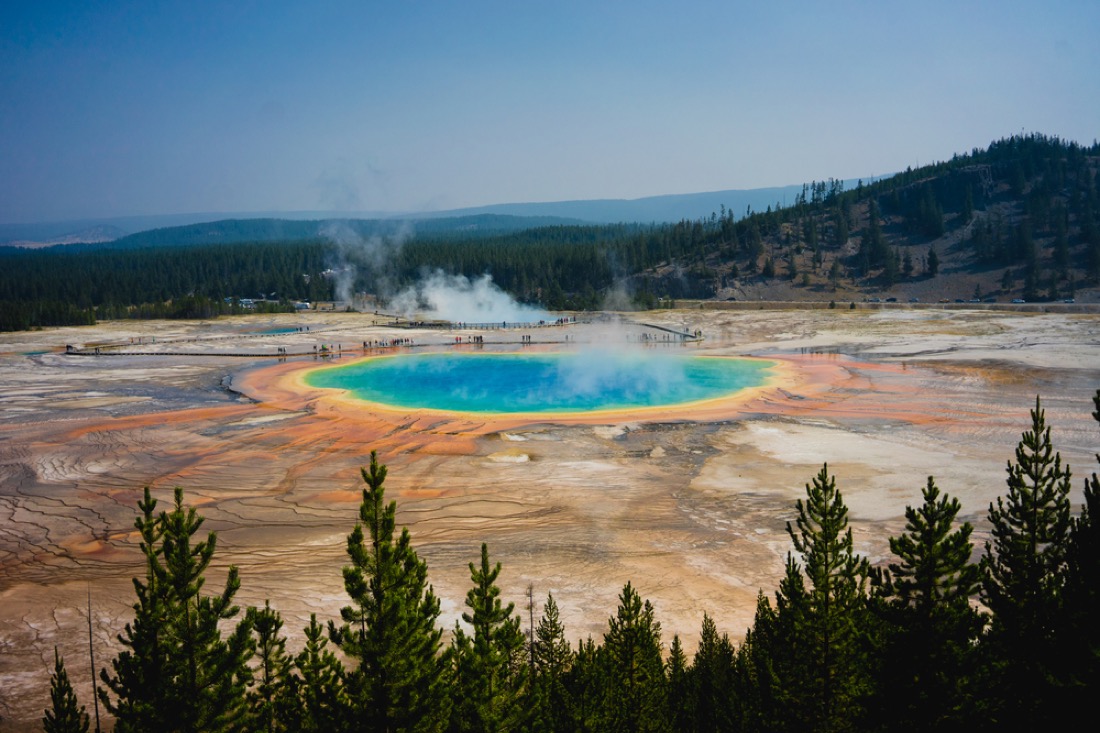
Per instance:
(575,382)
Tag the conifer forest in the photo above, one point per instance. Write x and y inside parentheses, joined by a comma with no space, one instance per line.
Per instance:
(1019,219)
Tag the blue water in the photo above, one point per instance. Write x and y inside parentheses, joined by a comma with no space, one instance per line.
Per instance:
(571,382)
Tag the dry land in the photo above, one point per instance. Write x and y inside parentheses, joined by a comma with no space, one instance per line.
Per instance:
(689,505)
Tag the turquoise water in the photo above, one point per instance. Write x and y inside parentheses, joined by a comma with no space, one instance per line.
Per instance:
(570,382)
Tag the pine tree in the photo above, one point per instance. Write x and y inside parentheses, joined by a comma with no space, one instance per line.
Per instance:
(930,627)
(834,273)
(553,662)
(872,245)
(1023,571)
(1079,669)
(491,670)
(210,674)
(890,267)
(792,267)
(793,655)
(712,680)
(390,629)
(756,680)
(933,262)
(679,687)
(140,679)
(270,701)
(63,715)
(323,705)
(635,690)
(934,573)
(585,683)
(834,609)
(177,672)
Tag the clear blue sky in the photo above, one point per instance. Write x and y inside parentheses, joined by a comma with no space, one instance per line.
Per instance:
(127,108)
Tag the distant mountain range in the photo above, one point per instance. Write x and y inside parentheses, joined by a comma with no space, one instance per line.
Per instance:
(650,209)
(669,208)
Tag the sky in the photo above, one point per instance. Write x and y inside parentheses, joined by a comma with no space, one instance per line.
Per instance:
(140,108)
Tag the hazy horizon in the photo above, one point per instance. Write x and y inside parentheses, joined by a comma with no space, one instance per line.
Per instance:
(126,110)
(335,214)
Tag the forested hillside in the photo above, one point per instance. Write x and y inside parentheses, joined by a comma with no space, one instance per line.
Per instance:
(1019,219)
(838,646)
(1016,220)
(230,231)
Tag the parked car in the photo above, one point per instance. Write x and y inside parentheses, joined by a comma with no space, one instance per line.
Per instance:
(1018,300)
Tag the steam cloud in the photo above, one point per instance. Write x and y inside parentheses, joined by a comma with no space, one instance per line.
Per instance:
(438,295)
(459,299)
(355,252)
(632,371)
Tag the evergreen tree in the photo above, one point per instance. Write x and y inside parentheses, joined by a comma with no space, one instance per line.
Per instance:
(140,679)
(553,662)
(63,715)
(712,681)
(769,268)
(210,673)
(1022,574)
(834,273)
(756,669)
(907,265)
(585,683)
(390,629)
(491,670)
(1079,667)
(890,267)
(933,266)
(793,656)
(929,626)
(679,687)
(840,228)
(836,674)
(872,245)
(635,691)
(177,672)
(323,704)
(270,701)
(1031,283)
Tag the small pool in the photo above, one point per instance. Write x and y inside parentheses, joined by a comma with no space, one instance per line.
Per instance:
(548,382)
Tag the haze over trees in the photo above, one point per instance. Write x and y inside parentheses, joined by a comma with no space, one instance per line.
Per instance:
(845,647)
(1020,218)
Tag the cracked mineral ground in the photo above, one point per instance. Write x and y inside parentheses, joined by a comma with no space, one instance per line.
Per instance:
(690,504)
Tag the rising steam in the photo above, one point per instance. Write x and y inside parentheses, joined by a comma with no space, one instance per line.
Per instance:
(437,296)
(356,255)
(631,372)
(456,298)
